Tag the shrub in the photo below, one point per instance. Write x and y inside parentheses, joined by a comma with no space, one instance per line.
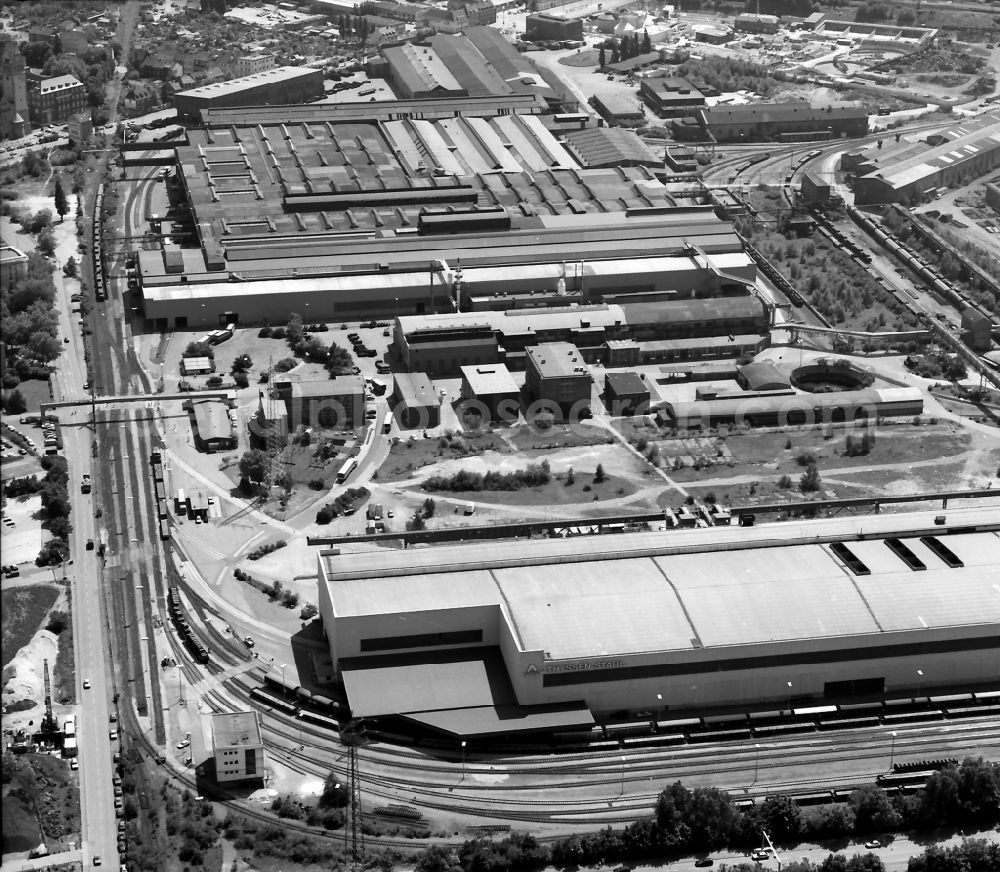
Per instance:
(214,381)
(325,515)
(285,364)
(264,333)
(805,458)
(785,482)
(309,611)
(317,484)
(810,480)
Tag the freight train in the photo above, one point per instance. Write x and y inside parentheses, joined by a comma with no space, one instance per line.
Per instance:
(184,627)
(160,493)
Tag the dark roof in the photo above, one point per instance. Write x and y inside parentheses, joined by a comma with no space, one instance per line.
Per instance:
(770,113)
(610,146)
(764,376)
(626,384)
(718,309)
(640,60)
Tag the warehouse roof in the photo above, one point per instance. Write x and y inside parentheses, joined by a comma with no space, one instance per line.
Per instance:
(558,360)
(212,419)
(468,65)
(266,77)
(626,384)
(236,730)
(610,146)
(329,387)
(414,390)
(719,587)
(772,113)
(489,380)
(420,68)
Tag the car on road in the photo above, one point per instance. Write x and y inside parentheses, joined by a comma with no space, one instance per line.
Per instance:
(759,855)
(704,863)
(873,844)
(112,718)
(97,860)
(183,744)
(86,684)
(113,735)
(74,764)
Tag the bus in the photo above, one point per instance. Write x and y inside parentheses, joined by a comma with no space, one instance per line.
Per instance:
(346,470)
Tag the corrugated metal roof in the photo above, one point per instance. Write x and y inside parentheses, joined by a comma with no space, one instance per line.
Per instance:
(611,146)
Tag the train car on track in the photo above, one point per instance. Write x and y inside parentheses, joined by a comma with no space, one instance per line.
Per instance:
(269,699)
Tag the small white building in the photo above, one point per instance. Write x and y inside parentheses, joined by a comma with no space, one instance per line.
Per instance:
(237,747)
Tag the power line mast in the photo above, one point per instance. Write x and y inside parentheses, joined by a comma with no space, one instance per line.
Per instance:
(354,837)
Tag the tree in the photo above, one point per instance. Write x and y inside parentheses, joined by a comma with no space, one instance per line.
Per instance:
(242,363)
(339,359)
(14,402)
(602,59)
(335,793)
(253,465)
(599,475)
(570,478)
(46,242)
(43,345)
(199,349)
(781,817)
(873,811)
(61,201)
(647,43)
(70,269)
(810,480)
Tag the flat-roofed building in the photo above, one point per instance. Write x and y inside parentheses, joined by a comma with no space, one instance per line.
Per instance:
(13,264)
(278,85)
(765,121)
(750,23)
(80,128)
(326,403)
(625,393)
(556,373)
(238,747)
(494,388)
(619,111)
(247,65)
(213,428)
(444,349)
(415,404)
(552,26)
(712,34)
(534,637)
(671,96)
(197,365)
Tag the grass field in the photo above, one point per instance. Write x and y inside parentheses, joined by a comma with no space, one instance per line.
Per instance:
(35,392)
(555,493)
(24,610)
(411,453)
(49,784)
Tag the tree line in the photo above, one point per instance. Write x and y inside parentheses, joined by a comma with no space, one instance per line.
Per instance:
(687,821)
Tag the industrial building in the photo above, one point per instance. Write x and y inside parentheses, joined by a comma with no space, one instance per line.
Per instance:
(324,404)
(619,111)
(494,390)
(671,96)
(662,331)
(417,72)
(414,402)
(785,408)
(237,747)
(610,147)
(278,85)
(625,393)
(750,23)
(214,429)
(768,121)
(482,639)
(555,373)
(972,149)
(551,26)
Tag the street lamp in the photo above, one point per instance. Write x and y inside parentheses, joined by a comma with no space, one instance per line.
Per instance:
(622,791)
(789,697)
(284,690)
(756,762)
(463,761)
(659,706)
(920,680)
(892,750)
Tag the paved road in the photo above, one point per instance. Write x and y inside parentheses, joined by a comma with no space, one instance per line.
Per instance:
(97,801)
